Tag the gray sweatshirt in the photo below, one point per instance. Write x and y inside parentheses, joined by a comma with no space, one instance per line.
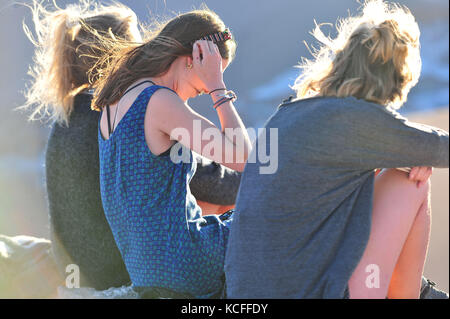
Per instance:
(300,232)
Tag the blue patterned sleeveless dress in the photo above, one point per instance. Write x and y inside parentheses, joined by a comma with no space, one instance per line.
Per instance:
(155,220)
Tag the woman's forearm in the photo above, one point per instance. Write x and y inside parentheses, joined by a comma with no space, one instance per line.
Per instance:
(233,127)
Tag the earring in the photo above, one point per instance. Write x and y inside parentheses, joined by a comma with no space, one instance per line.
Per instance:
(189,66)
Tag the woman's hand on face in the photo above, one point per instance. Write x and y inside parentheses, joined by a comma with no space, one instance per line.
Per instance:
(420,175)
(207,63)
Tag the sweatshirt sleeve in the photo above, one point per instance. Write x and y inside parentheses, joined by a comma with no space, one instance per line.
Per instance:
(214,183)
(371,136)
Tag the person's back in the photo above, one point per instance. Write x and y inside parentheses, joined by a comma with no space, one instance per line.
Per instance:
(303,229)
(156,221)
(65,51)
(80,233)
(309,191)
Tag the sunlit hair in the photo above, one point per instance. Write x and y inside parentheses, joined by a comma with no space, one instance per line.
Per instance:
(126,62)
(374,57)
(65,50)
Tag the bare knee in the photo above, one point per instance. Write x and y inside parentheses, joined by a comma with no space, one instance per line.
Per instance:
(394,191)
(407,193)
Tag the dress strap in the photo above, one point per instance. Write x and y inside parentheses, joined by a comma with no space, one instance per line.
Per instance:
(109,121)
(135,86)
(107,107)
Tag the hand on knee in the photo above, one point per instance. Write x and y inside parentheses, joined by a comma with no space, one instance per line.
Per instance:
(394,178)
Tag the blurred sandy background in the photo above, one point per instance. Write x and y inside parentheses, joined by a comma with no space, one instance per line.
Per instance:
(270,36)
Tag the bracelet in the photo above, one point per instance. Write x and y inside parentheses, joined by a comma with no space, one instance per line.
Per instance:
(228,96)
(215,90)
(221,101)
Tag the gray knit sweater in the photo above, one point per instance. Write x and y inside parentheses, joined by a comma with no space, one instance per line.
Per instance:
(79,230)
(300,232)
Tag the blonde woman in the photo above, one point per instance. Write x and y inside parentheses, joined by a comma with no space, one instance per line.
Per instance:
(67,47)
(324,226)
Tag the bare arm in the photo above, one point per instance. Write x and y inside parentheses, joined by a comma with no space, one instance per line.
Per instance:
(230,145)
(181,123)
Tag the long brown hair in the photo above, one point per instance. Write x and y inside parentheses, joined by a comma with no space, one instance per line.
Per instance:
(66,49)
(126,62)
(374,57)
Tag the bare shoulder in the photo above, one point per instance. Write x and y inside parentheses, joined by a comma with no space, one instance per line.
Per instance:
(163,100)
(166,110)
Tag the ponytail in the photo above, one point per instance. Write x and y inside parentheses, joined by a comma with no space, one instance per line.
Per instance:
(64,52)
(51,88)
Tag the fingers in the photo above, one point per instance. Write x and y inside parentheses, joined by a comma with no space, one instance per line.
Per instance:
(215,48)
(196,54)
(210,46)
(200,47)
(427,175)
(420,175)
(207,64)
(204,48)
(413,173)
(207,47)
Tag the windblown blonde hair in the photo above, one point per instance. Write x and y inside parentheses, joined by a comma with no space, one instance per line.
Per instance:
(66,50)
(375,57)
